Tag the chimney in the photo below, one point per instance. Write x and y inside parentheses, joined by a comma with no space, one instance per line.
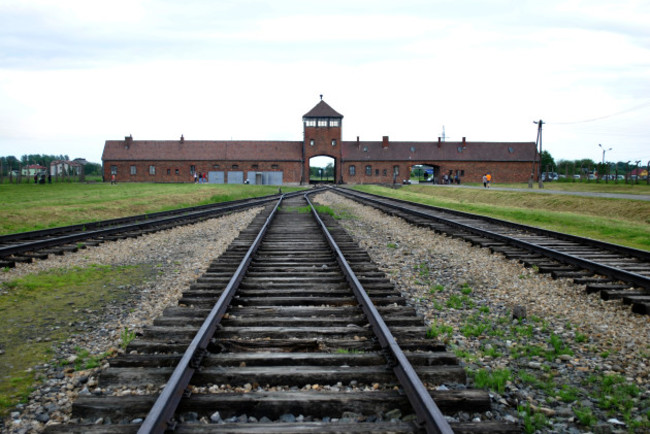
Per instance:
(439,143)
(182,139)
(463,141)
(129,141)
(358,144)
(385,142)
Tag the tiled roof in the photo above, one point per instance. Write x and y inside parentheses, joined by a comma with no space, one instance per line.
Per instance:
(322,110)
(430,151)
(198,150)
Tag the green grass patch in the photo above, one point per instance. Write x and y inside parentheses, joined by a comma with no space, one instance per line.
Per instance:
(494,380)
(619,221)
(27,207)
(40,310)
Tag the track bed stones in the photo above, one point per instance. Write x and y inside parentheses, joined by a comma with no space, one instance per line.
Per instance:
(293,353)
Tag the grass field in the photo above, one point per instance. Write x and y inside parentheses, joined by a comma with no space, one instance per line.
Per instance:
(619,221)
(27,207)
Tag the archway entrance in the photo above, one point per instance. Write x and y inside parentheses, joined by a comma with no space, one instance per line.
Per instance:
(425,173)
(322,170)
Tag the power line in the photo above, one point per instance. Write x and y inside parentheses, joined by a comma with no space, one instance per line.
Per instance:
(638,107)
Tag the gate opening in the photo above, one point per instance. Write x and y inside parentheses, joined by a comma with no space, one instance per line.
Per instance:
(322,170)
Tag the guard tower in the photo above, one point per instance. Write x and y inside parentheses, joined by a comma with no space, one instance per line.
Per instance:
(322,137)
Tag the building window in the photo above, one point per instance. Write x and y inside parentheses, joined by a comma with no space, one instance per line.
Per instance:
(376,172)
(333,142)
(133,170)
(322,122)
(334,122)
(113,170)
(310,122)
(274,166)
(395,170)
(412,148)
(311,142)
(255,166)
(177,172)
(462,173)
(169,171)
(365,149)
(235,166)
(192,169)
(384,172)
(152,170)
(369,170)
(353,170)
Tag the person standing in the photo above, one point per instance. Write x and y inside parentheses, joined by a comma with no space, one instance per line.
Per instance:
(485,181)
(489,179)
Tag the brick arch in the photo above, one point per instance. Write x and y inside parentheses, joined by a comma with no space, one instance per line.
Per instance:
(331,157)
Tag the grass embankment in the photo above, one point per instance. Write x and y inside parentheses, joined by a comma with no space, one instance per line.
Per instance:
(619,221)
(28,207)
(39,311)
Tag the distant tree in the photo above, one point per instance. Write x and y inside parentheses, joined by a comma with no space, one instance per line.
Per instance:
(548,162)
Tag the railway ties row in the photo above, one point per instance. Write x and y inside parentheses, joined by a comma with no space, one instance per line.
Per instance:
(616,272)
(293,352)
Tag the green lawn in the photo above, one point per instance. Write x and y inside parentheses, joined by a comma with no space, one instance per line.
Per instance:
(27,207)
(619,221)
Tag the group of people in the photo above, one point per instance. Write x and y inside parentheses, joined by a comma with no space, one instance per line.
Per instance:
(487,178)
(200,178)
(447,179)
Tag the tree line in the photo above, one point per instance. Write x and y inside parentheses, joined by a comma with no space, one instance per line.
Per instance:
(10,163)
(587,166)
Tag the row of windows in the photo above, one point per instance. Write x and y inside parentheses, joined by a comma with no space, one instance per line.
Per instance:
(311,142)
(133,170)
(322,122)
(384,172)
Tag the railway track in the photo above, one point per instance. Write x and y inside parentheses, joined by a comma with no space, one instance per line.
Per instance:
(614,271)
(282,334)
(25,247)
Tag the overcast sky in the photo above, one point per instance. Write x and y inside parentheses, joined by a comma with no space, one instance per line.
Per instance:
(74,73)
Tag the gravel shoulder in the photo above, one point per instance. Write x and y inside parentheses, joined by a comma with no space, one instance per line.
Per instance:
(179,256)
(557,357)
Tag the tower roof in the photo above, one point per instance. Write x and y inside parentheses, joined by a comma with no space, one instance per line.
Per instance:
(322,110)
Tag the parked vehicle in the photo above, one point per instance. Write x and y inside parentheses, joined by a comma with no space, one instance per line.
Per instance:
(549,176)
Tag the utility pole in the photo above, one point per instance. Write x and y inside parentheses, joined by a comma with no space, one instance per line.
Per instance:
(539,140)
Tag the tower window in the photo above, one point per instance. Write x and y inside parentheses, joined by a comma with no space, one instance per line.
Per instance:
(310,123)
(311,142)
(322,122)
(334,122)
(333,142)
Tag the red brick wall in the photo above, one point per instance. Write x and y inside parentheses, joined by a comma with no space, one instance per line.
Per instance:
(322,138)
(291,170)
(501,171)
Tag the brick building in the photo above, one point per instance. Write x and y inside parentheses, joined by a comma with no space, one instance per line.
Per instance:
(287,162)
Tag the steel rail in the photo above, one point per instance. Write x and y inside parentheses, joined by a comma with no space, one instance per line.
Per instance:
(612,272)
(641,254)
(166,218)
(160,415)
(19,236)
(427,411)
